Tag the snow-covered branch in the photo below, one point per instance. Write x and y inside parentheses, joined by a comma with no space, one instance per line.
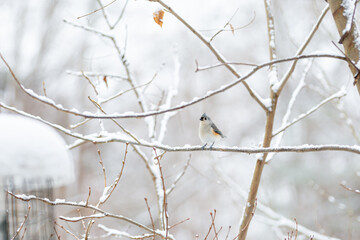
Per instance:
(105,137)
(96,74)
(180,106)
(63,202)
(273,74)
(339,94)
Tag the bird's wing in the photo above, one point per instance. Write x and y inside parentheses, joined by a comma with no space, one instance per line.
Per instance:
(216,130)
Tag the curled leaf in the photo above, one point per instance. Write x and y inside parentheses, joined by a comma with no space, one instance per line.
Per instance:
(158,16)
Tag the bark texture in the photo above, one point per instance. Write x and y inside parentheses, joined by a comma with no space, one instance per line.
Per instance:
(348,38)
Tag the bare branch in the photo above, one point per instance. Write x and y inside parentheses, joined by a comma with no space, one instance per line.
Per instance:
(23,222)
(179,176)
(96,74)
(339,94)
(102,165)
(195,100)
(91,83)
(350,189)
(61,202)
(301,50)
(253,94)
(152,221)
(67,231)
(270,63)
(102,8)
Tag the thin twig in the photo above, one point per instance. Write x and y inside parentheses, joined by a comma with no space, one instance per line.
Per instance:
(82,221)
(179,176)
(59,107)
(44,88)
(165,209)
(227,234)
(23,222)
(178,223)
(216,53)
(121,15)
(104,13)
(56,233)
(82,205)
(350,189)
(123,92)
(116,122)
(102,165)
(228,22)
(339,94)
(66,230)
(96,10)
(302,48)
(88,197)
(91,83)
(96,74)
(213,223)
(290,106)
(152,221)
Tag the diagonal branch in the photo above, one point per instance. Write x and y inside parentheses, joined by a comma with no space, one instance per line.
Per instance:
(339,94)
(284,80)
(61,202)
(110,137)
(221,59)
(195,100)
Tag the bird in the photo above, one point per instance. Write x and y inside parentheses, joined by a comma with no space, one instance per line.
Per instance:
(208,132)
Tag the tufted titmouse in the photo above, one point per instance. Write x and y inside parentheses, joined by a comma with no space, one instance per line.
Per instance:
(208,132)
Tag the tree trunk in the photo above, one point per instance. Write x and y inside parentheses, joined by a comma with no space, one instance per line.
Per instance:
(348,37)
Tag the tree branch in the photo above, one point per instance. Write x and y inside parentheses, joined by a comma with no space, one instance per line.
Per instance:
(221,59)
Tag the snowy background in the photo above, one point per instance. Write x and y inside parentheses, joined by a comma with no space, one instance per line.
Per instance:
(45,51)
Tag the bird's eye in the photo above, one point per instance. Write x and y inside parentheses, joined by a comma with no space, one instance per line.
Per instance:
(205,118)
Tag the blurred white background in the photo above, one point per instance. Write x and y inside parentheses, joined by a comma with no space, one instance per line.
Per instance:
(42,49)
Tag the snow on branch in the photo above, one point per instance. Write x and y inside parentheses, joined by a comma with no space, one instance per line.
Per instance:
(95,74)
(180,106)
(105,137)
(216,53)
(62,202)
(339,94)
(273,74)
